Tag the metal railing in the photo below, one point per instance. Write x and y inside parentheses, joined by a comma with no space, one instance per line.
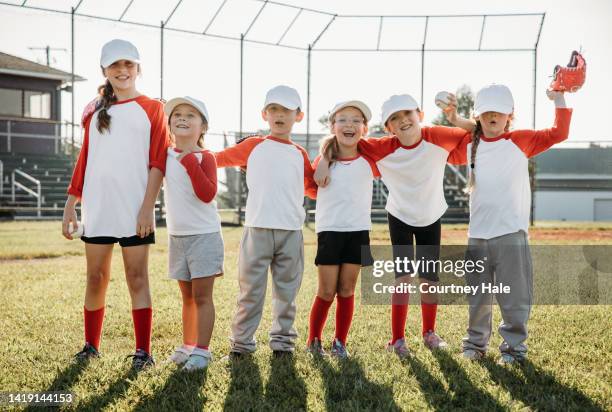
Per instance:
(18,185)
(9,134)
(457,173)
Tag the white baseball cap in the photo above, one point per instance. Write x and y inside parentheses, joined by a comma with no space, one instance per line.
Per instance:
(357,104)
(286,96)
(494,98)
(116,50)
(396,103)
(197,104)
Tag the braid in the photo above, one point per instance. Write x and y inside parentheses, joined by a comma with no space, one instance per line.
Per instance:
(107,98)
(476,134)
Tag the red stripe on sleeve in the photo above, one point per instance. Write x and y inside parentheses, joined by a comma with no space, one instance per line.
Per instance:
(377,148)
(458,156)
(78,174)
(372,163)
(160,137)
(534,142)
(310,187)
(237,155)
(203,175)
(447,138)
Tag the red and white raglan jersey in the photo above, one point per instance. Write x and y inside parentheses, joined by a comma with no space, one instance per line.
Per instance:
(190,187)
(110,176)
(501,197)
(414,174)
(345,204)
(278,175)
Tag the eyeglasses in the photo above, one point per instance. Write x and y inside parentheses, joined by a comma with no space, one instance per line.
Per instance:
(345,121)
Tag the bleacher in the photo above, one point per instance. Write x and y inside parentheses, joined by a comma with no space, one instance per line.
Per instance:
(52,171)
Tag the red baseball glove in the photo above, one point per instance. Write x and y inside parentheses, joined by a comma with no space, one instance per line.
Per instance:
(570,78)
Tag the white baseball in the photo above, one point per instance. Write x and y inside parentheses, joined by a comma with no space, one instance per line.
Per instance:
(75,233)
(443,99)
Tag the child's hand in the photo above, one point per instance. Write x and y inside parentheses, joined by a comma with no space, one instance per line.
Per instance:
(557,97)
(70,217)
(451,110)
(144,225)
(321,174)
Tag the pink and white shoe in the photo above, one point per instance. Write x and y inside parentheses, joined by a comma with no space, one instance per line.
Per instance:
(433,341)
(399,348)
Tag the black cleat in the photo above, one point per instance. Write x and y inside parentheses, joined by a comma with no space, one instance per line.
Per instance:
(141,360)
(88,352)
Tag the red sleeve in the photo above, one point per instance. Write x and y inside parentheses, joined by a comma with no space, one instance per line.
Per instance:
(160,137)
(310,187)
(203,175)
(377,148)
(89,110)
(237,155)
(78,175)
(447,138)
(459,154)
(372,163)
(533,142)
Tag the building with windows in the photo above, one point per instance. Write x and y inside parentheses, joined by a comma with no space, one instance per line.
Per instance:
(30,105)
(574,184)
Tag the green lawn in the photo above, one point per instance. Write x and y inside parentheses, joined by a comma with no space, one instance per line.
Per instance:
(42,286)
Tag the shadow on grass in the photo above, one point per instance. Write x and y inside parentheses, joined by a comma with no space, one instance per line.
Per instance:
(115,390)
(538,389)
(182,391)
(246,388)
(285,390)
(64,380)
(348,388)
(466,395)
(435,393)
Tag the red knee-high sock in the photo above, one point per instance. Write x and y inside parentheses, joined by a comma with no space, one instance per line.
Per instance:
(429,311)
(93,320)
(318,317)
(344,316)
(399,313)
(142,328)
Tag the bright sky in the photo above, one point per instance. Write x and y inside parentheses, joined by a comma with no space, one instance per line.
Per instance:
(208,68)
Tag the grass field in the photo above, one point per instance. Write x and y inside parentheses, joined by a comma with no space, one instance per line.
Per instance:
(42,287)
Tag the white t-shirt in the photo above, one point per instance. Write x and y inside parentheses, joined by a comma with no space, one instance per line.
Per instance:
(345,204)
(190,186)
(110,176)
(500,202)
(278,174)
(414,174)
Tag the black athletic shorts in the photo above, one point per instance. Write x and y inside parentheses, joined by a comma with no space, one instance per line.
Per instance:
(336,248)
(427,239)
(123,241)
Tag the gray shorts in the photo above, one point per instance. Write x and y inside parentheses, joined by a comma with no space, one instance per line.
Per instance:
(195,256)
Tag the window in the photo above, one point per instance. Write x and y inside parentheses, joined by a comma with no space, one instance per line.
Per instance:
(11,102)
(37,104)
(25,103)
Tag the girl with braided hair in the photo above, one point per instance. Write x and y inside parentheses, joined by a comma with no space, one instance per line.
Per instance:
(117,178)
(500,202)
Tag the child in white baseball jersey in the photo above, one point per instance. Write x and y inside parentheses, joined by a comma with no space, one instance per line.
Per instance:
(278,174)
(342,223)
(117,178)
(195,244)
(412,160)
(500,203)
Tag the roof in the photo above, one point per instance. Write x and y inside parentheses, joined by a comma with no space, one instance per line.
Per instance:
(17,66)
(576,161)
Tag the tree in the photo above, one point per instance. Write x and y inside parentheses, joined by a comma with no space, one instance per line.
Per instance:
(465,104)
